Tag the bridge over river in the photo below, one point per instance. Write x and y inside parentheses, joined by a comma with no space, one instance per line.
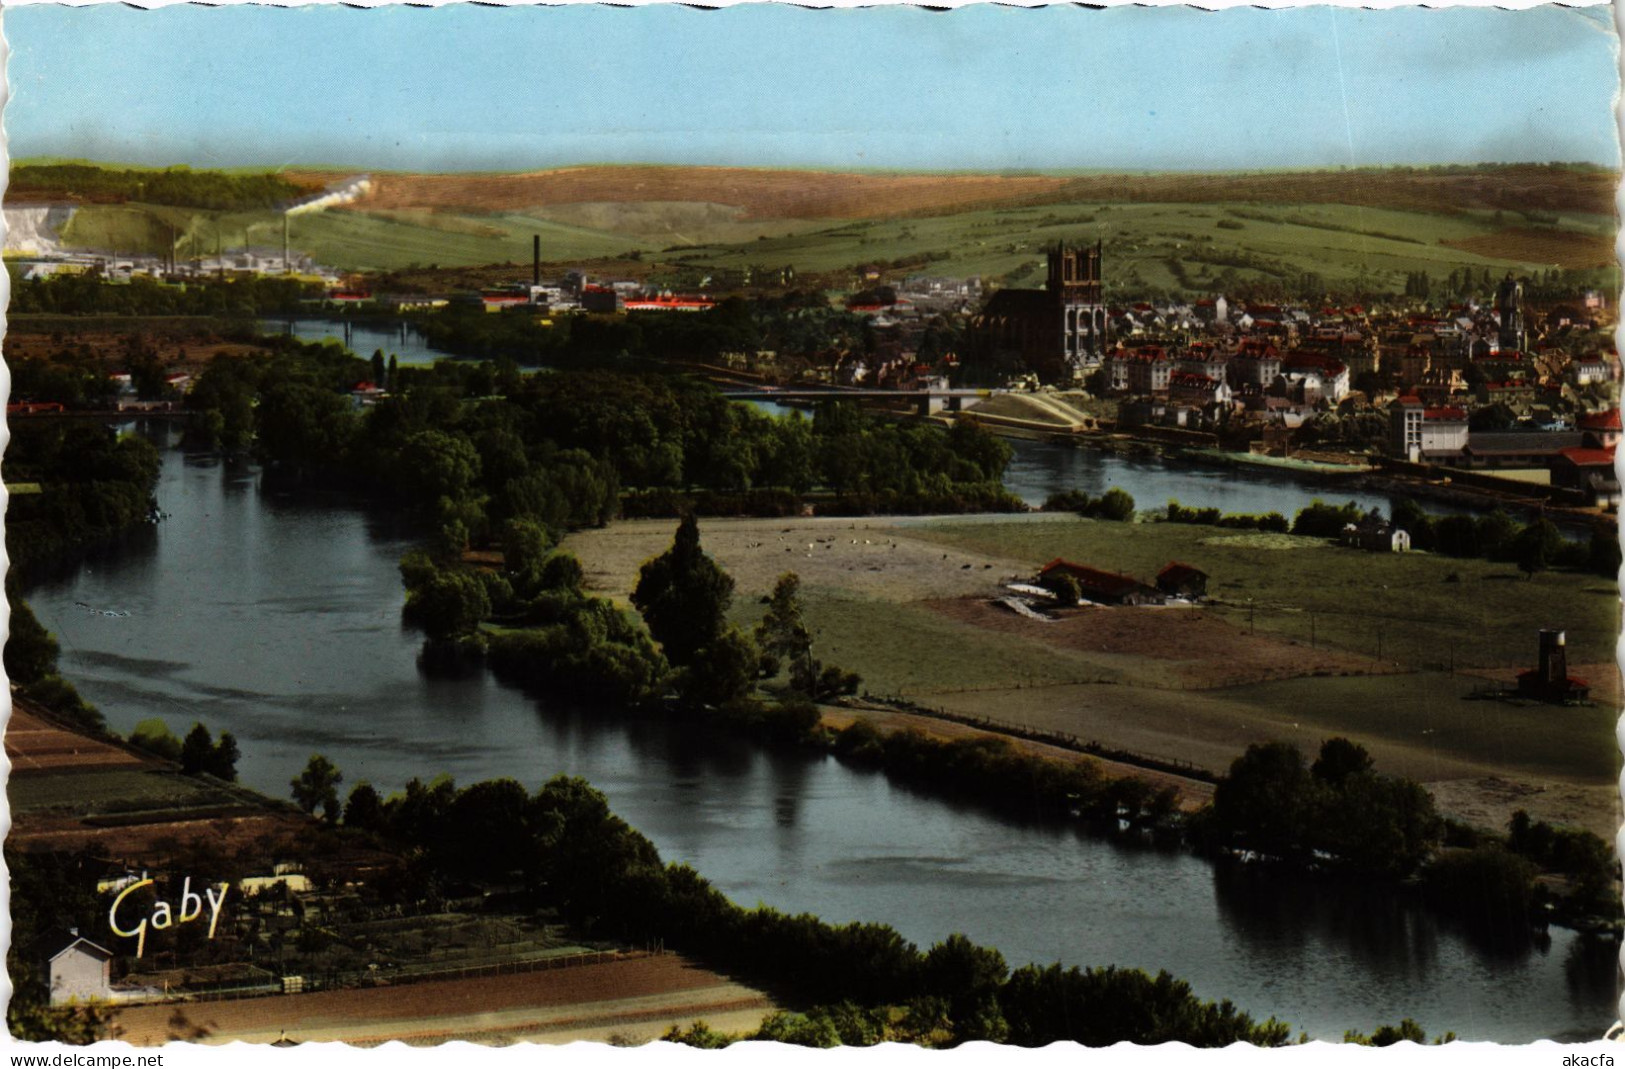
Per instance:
(927,400)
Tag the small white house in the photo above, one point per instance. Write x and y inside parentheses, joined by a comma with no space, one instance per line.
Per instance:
(80,970)
(1377,537)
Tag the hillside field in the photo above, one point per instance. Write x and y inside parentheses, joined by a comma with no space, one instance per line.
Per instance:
(1163,231)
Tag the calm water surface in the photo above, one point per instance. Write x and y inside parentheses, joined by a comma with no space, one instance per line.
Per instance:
(277,618)
(363,337)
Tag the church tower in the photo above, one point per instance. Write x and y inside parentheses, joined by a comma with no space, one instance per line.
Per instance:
(1075,296)
(1509,306)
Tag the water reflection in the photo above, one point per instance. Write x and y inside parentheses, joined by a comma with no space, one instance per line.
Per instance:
(363,337)
(1591,968)
(1368,924)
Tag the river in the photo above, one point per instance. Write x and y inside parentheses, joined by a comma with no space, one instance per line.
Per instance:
(276,617)
(364,337)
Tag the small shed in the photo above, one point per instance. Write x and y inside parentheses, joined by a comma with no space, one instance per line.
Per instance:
(1180,580)
(77,968)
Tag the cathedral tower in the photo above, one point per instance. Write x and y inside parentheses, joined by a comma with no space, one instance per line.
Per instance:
(1075,294)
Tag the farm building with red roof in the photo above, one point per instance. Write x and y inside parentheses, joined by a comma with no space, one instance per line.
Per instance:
(1097,585)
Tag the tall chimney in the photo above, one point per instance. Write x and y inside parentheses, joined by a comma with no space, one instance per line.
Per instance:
(287,268)
(1554,662)
(536,260)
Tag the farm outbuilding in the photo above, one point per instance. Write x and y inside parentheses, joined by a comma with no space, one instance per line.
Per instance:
(1103,587)
(1180,580)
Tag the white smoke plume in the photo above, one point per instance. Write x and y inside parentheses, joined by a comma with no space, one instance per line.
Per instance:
(346,192)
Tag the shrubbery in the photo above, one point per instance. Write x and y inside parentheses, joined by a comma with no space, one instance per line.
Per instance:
(1114,504)
(1211,517)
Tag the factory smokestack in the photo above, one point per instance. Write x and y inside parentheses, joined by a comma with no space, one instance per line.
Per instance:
(536,260)
(287,268)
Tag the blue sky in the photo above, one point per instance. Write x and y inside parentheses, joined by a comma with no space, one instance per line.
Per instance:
(471,88)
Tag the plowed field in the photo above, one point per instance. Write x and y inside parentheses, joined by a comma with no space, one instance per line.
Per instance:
(1560,248)
(634,998)
(775,194)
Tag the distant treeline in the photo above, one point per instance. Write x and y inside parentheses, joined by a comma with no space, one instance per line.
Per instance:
(88,295)
(178,186)
(1533,547)
(1212,517)
(799,322)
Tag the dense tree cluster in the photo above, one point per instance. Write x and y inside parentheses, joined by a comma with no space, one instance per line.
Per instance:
(200,754)
(1337,813)
(1585,859)
(79,375)
(93,486)
(235,298)
(481,445)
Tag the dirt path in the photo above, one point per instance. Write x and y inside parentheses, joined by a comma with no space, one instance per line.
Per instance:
(637,998)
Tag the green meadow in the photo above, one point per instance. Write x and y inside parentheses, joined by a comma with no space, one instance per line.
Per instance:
(1166,246)
(1416,609)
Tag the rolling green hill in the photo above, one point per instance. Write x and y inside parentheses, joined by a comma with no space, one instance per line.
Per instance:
(1372,229)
